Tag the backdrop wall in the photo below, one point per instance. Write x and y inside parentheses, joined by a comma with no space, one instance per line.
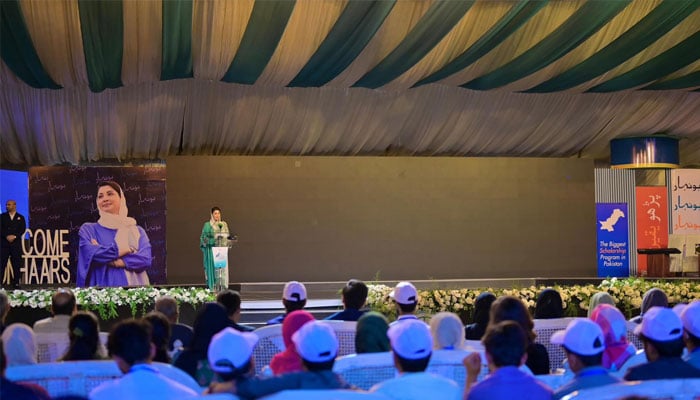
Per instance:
(332,218)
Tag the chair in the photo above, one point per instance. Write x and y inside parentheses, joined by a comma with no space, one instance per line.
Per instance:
(666,389)
(632,338)
(323,394)
(345,331)
(554,381)
(178,375)
(66,378)
(545,328)
(50,346)
(639,358)
(367,369)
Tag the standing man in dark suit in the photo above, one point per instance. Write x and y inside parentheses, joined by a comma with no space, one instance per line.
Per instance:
(12,227)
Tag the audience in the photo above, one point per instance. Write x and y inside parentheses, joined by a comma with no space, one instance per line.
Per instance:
(293,299)
(661,332)
(482,310)
(317,345)
(130,346)
(597,299)
(231,300)
(549,305)
(411,346)
(20,345)
(691,332)
(652,298)
(509,308)
(614,326)
(289,360)
(211,319)
(370,333)
(18,391)
(4,309)
(405,296)
(447,331)
(180,334)
(84,335)
(584,345)
(230,355)
(354,298)
(160,335)
(505,344)
(63,306)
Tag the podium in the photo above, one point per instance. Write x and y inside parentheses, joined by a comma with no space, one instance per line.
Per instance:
(658,261)
(220,255)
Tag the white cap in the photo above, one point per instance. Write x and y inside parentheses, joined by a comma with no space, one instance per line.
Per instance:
(582,336)
(411,339)
(404,293)
(660,324)
(316,342)
(691,318)
(678,308)
(294,291)
(230,349)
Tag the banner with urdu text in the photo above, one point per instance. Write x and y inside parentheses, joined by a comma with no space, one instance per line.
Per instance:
(652,221)
(685,201)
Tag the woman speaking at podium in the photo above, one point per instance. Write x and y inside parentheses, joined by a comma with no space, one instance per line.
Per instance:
(215,234)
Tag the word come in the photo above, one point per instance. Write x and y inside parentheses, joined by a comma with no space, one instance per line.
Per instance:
(46,259)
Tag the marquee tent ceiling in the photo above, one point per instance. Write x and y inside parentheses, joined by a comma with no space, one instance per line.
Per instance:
(87,80)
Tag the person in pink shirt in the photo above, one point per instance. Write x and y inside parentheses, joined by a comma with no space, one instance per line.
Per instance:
(289,360)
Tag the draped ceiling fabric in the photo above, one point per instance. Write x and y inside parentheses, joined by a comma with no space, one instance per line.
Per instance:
(91,80)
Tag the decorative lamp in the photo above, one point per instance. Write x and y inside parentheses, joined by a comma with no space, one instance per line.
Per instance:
(654,151)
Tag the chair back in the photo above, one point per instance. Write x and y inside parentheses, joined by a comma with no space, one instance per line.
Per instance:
(76,378)
(666,389)
(367,369)
(50,346)
(324,394)
(545,328)
(345,331)
(178,375)
(449,364)
(639,358)
(632,338)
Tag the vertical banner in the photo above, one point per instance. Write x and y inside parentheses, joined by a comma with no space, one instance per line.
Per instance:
(62,199)
(613,239)
(652,221)
(685,202)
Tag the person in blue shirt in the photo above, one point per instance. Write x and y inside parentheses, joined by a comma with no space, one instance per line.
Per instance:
(691,333)
(354,298)
(583,343)
(293,299)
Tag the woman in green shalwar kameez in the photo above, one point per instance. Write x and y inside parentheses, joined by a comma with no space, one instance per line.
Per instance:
(214,233)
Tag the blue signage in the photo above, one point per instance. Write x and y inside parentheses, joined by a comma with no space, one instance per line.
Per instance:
(613,239)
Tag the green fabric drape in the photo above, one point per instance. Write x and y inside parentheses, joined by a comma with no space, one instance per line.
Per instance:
(102,28)
(520,13)
(580,26)
(356,26)
(683,82)
(649,29)
(435,24)
(262,35)
(669,61)
(17,49)
(177,40)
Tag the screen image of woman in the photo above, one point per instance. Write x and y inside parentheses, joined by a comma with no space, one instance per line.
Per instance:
(215,233)
(113,251)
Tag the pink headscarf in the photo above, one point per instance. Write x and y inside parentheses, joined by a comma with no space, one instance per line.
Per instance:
(614,326)
(289,360)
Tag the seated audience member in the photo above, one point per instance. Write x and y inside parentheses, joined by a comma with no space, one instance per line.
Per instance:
(505,343)
(289,360)
(678,308)
(661,332)
(63,305)
(293,299)
(447,331)
(211,319)
(180,334)
(4,309)
(614,326)
(231,300)
(317,345)
(653,297)
(597,299)
(549,305)
(509,308)
(20,345)
(482,308)
(160,335)
(583,344)
(411,346)
(84,335)
(130,346)
(405,296)
(354,298)
(370,334)
(691,332)
(18,391)
(230,355)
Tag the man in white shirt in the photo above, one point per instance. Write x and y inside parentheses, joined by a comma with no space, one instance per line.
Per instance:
(412,345)
(131,348)
(63,306)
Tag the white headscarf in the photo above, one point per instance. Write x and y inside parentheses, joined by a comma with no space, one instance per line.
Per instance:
(128,234)
(19,345)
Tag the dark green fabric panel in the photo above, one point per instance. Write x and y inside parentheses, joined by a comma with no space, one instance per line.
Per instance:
(17,49)
(657,23)
(671,60)
(435,24)
(575,30)
(262,35)
(357,24)
(102,27)
(177,40)
(682,82)
(520,13)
